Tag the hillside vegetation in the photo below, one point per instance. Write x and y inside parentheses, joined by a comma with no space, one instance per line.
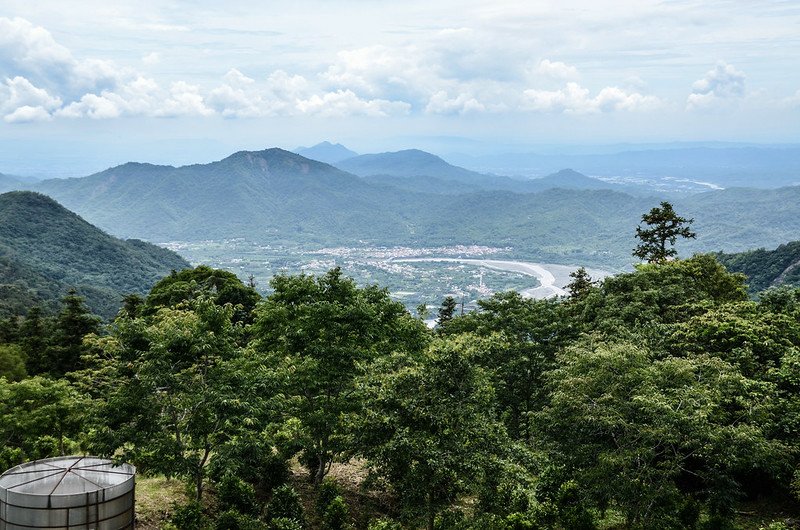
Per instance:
(767,268)
(45,250)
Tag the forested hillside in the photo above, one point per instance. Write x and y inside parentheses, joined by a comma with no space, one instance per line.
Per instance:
(767,268)
(45,250)
(270,195)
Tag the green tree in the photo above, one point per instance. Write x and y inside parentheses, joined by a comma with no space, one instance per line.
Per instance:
(73,323)
(12,362)
(41,417)
(446,311)
(581,284)
(518,338)
(655,437)
(317,335)
(665,226)
(34,339)
(429,426)
(656,294)
(176,392)
(285,504)
(221,286)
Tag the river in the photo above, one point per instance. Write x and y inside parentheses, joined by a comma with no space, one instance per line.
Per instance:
(552,278)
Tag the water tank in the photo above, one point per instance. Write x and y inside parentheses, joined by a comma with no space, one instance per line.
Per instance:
(69,493)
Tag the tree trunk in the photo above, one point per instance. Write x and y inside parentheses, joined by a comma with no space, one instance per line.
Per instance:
(320,474)
(201,471)
(431,512)
(199,485)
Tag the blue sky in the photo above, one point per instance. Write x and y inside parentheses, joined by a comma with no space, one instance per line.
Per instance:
(193,80)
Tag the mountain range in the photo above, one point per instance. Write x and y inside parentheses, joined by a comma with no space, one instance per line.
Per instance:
(45,250)
(408,198)
(718,165)
(418,171)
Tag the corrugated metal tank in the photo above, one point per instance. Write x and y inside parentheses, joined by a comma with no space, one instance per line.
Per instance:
(69,493)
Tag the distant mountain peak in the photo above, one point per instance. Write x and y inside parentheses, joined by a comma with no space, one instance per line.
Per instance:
(273,157)
(568,172)
(408,162)
(327,152)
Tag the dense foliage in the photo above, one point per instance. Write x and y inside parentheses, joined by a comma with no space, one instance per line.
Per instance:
(659,398)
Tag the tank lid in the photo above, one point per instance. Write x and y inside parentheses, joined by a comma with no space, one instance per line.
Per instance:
(65,476)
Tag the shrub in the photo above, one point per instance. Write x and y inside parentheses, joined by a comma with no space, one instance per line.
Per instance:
(253,460)
(233,520)
(327,491)
(384,523)
(235,494)
(284,523)
(285,503)
(337,515)
(189,517)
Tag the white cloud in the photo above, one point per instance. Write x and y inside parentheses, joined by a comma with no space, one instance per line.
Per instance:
(27,114)
(237,78)
(19,92)
(244,97)
(284,86)
(32,50)
(151,58)
(380,71)
(556,70)
(792,101)
(613,98)
(233,103)
(91,106)
(720,83)
(575,99)
(442,103)
(184,100)
(346,102)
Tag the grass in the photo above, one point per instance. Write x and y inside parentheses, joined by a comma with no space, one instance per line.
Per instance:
(155,497)
(364,504)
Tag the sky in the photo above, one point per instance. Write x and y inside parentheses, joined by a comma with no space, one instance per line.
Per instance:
(90,83)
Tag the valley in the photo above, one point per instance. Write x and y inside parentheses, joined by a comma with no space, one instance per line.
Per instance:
(413,275)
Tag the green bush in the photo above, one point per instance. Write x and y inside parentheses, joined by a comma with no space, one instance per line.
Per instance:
(520,521)
(10,457)
(253,460)
(571,511)
(327,491)
(451,519)
(384,523)
(235,494)
(189,517)
(337,515)
(233,520)
(284,523)
(285,503)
